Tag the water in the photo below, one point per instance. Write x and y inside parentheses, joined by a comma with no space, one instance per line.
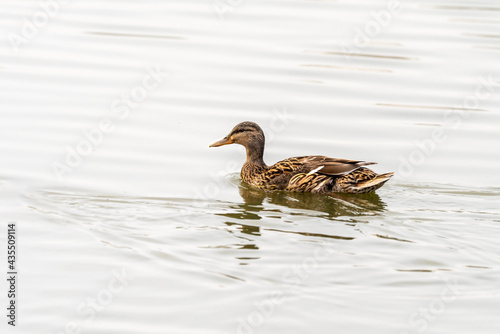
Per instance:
(148,230)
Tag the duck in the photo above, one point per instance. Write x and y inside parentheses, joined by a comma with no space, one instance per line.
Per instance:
(313,173)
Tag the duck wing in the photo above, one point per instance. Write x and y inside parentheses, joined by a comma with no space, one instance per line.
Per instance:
(278,176)
(319,164)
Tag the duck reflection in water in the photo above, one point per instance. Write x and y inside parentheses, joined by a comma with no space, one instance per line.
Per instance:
(334,205)
(254,207)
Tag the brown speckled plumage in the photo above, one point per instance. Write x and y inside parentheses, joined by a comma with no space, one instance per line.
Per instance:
(314,173)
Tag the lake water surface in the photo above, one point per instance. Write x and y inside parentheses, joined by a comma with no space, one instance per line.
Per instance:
(129,223)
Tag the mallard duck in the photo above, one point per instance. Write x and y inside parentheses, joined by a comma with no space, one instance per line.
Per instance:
(313,173)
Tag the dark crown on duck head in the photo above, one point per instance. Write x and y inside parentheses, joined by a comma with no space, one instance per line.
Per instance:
(248,134)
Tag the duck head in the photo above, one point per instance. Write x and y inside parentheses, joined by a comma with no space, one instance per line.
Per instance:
(248,134)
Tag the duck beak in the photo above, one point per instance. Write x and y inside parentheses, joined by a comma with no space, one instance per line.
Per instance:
(222,142)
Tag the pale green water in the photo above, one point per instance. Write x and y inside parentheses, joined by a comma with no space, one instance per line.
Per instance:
(203,253)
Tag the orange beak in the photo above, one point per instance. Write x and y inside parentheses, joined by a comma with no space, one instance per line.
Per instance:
(222,142)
